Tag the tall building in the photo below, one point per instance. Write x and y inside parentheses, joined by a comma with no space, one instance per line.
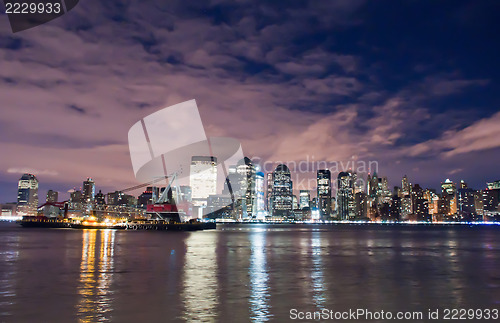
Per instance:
(324,191)
(269,193)
(420,203)
(52,196)
(282,191)
(360,205)
(203,179)
(304,199)
(406,200)
(259,205)
(76,197)
(246,180)
(466,207)
(27,195)
(88,190)
(345,196)
(100,198)
(448,198)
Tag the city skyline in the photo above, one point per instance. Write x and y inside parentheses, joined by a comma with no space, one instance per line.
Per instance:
(350,197)
(296,84)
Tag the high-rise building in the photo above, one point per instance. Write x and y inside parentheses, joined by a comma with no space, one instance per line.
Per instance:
(282,200)
(88,190)
(269,193)
(246,180)
(100,198)
(304,199)
(324,191)
(494,185)
(466,207)
(203,178)
(52,196)
(360,205)
(27,195)
(449,198)
(345,196)
(420,203)
(259,205)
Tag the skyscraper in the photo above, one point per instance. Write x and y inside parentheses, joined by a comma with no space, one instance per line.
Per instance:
(448,202)
(88,190)
(269,193)
(246,180)
(345,196)
(203,178)
(323,181)
(282,191)
(52,196)
(27,195)
(259,202)
(304,199)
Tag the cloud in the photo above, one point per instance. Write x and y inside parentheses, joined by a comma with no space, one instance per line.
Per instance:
(47,172)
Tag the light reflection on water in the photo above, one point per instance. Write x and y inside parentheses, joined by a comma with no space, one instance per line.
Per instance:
(317,277)
(96,273)
(200,281)
(241,273)
(259,297)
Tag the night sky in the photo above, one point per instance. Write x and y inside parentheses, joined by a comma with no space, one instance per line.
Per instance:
(413,85)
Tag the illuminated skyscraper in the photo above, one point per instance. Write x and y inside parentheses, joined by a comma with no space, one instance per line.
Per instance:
(420,204)
(52,196)
(203,179)
(269,193)
(100,198)
(246,179)
(448,203)
(282,191)
(466,208)
(323,181)
(259,202)
(345,196)
(27,195)
(304,199)
(88,190)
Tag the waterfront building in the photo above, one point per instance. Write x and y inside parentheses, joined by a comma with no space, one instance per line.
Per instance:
(219,206)
(324,191)
(420,204)
(52,196)
(466,208)
(203,179)
(100,198)
(282,200)
(259,204)
(246,184)
(27,195)
(269,193)
(304,199)
(295,202)
(345,196)
(448,199)
(88,190)
(360,205)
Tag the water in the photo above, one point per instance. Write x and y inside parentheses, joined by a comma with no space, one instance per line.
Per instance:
(241,273)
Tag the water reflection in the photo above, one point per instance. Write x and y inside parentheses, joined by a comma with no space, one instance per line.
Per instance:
(8,261)
(259,277)
(200,280)
(317,276)
(96,273)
